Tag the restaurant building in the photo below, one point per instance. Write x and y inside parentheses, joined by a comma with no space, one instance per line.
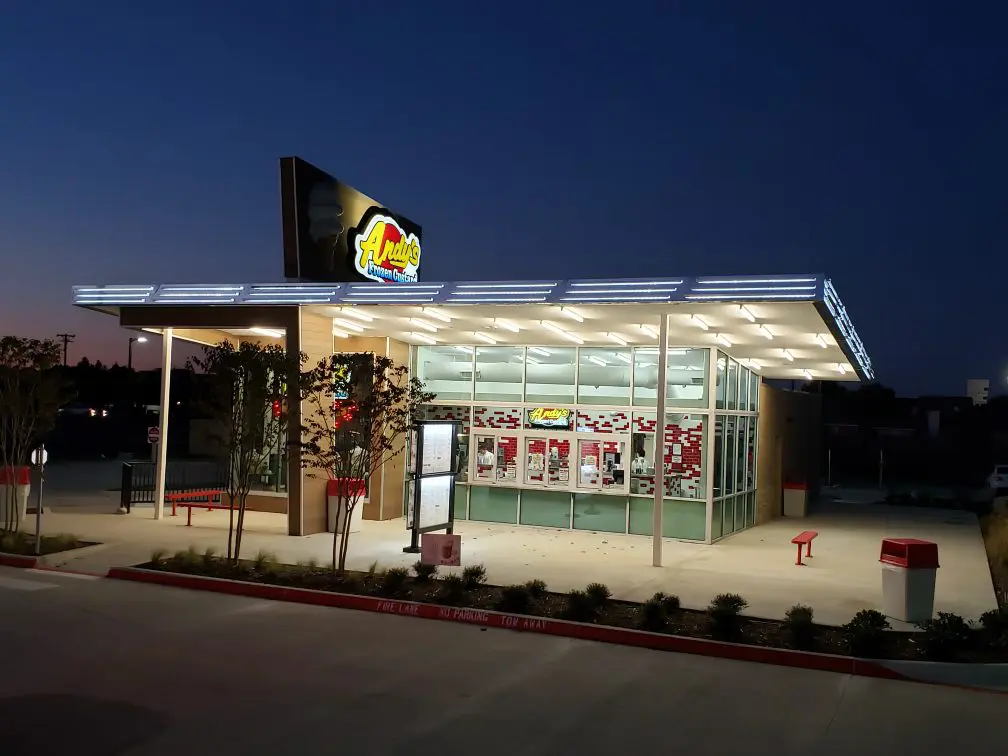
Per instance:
(631,406)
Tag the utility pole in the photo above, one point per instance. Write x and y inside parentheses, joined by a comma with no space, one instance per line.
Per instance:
(67,339)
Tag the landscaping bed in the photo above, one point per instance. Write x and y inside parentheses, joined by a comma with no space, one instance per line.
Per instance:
(23,544)
(947,638)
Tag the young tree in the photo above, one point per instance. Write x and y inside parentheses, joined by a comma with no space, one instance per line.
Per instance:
(357,409)
(241,387)
(32,390)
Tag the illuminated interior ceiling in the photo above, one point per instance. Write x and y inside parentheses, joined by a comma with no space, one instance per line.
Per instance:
(789,327)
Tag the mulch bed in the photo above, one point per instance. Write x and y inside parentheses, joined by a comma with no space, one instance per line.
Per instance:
(23,544)
(623,614)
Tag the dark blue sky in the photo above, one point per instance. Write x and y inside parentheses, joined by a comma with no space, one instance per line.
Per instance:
(865,140)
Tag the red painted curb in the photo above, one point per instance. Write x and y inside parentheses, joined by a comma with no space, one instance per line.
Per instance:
(542,625)
(17,560)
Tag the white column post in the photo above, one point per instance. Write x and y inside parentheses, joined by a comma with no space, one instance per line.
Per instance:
(162,446)
(711,420)
(659,452)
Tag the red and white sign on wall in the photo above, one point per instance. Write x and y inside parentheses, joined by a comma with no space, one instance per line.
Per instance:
(441,549)
(153,434)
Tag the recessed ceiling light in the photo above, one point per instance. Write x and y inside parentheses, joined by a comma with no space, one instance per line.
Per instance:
(423,337)
(340,334)
(271,332)
(821,340)
(699,322)
(436,314)
(841,368)
(649,330)
(423,324)
(572,314)
(617,338)
(561,332)
(347,325)
(787,355)
(765,332)
(723,340)
(746,313)
(353,312)
(807,374)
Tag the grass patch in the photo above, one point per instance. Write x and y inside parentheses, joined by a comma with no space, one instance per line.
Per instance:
(23,544)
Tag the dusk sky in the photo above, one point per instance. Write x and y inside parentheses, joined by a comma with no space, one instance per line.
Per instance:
(864,140)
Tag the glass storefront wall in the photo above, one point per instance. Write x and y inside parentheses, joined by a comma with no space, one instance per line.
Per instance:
(566,437)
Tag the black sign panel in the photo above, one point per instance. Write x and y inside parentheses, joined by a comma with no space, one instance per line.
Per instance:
(334,233)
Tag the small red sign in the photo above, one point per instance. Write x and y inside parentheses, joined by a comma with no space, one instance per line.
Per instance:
(153,434)
(441,549)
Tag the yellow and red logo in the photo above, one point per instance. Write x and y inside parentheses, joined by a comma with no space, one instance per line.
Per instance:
(385,252)
(549,417)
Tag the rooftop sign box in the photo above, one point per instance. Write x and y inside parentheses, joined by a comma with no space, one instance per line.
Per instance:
(334,233)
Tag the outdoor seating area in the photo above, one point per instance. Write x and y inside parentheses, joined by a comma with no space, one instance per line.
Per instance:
(843,577)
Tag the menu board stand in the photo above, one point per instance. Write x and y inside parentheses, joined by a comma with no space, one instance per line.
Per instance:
(433,467)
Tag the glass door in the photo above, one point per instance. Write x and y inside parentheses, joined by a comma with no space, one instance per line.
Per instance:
(615,477)
(507,459)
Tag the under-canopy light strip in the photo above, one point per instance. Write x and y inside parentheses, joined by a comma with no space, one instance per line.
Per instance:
(599,284)
(496,300)
(504,285)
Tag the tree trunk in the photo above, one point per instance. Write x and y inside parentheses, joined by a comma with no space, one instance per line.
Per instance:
(241,525)
(231,524)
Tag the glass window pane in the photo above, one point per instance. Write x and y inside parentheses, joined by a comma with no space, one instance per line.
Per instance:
(559,462)
(499,373)
(535,461)
(589,475)
(732,402)
(447,371)
(722,362)
(685,378)
(601,421)
(614,461)
(604,376)
(493,504)
(546,509)
(754,387)
(642,447)
(751,452)
(729,454)
(680,519)
(683,456)
(717,528)
(601,512)
(549,374)
(740,501)
(743,388)
(741,430)
(719,456)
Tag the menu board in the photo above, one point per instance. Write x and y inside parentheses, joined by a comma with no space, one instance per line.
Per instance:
(437,448)
(435,500)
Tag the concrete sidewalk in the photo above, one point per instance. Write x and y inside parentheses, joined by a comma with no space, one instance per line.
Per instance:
(842,577)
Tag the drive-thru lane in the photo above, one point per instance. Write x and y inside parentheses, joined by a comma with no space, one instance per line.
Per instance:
(93,666)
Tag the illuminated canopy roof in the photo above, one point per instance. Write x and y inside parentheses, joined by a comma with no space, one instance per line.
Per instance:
(790,327)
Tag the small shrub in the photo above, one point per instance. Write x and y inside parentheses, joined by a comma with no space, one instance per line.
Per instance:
(209,557)
(157,557)
(724,613)
(394,580)
(424,572)
(599,594)
(655,612)
(943,638)
(373,569)
(187,559)
(516,599)
(800,629)
(580,607)
(994,626)
(671,603)
(866,632)
(453,589)
(264,562)
(537,589)
(474,576)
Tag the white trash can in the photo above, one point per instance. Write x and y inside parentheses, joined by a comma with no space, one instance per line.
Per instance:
(909,572)
(336,512)
(795,500)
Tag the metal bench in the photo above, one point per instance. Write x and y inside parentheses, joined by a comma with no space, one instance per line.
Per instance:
(804,538)
(204,499)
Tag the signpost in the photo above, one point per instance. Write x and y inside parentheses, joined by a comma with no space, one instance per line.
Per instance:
(39,458)
(433,466)
(154,438)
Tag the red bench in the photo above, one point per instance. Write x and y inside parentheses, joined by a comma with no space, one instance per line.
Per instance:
(203,499)
(804,538)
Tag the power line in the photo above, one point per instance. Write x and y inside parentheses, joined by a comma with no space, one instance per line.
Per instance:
(67,339)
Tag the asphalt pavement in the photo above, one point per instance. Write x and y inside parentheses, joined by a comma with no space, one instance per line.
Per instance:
(91,666)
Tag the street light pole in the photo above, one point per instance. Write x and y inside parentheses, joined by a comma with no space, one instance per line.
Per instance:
(129,358)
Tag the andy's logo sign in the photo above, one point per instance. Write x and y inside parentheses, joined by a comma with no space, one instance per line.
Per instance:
(383,251)
(549,417)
